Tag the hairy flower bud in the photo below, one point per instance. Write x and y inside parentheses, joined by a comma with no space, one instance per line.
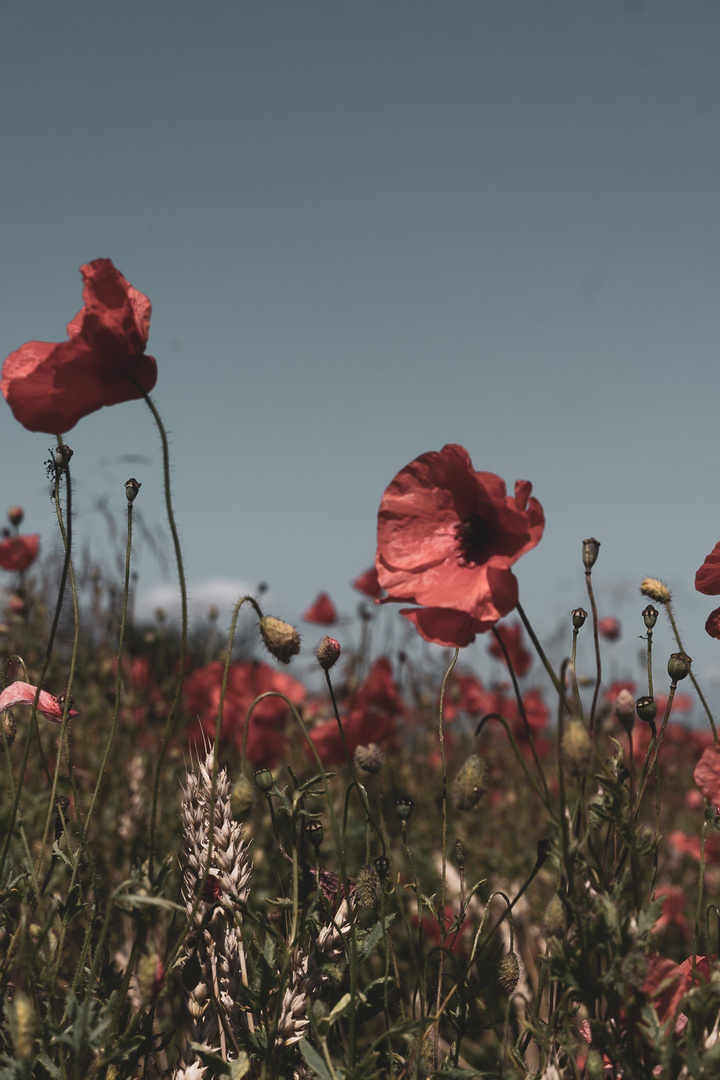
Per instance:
(469,785)
(625,710)
(328,653)
(367,886)
(509,972)
(369,758)
(655,590)
(7,721)
(281,639)
(241,798)
(590,552)
(460,853)
(679,666)
(23,1025)
(594,1065)
(151,976)
(554,921)
(579,616)
(15,515)
(576,749)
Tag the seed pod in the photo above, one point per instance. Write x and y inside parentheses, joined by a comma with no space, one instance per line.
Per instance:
(132,486)
(468,787)
(679,666)
(404,808)
(315,833)
(367,886)
(650,616)
(509,972)
(264,780)
(590,552)
(579,616)
(576,749)
(646,709)
(280,638)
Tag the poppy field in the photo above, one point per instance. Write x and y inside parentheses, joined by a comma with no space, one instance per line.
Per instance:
(213,865)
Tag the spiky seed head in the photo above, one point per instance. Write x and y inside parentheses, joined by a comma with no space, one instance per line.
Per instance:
(576,749)
(281,639)
(509,972)
(468,787)
(367,886)
(655,590)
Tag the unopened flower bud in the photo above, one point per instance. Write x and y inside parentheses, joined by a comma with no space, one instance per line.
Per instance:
(509,972)
(62,455)
(590,552)
(655,590)
(576,749)
(132,486)
(9,728)
(404,808)
(646,709)
(281,639)
(679,666)
(328,653)
(213,613)
(367,886)
(369,758)
(579,616)
(241,798)
(554,922)
(460,853)
(650,615)
(151,976)
(469,785)
(264,780)
(15,515)
(382,865)
(315,833)
(23,1025)
(625,710)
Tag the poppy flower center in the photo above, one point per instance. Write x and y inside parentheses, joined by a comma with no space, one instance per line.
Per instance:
(473,538)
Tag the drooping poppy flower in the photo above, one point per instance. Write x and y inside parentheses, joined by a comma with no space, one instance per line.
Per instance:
(19,552)
(22,693)
(707,581)
(49,386)
(447,537)
(368,584)
(512,636)
(322,611)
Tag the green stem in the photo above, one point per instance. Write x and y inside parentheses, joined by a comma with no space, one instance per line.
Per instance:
(693,679)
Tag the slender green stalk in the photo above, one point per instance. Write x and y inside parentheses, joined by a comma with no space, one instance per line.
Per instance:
(521,708)
(596,639)
(541,653)
(706,707)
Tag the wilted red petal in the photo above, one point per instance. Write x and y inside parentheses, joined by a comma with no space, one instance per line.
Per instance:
(49,387)
(322,611)
(712,625)
(707,579)
(707,773)
(22,693)
(19,552)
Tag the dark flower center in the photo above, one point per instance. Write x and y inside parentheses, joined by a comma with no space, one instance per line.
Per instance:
(473,537)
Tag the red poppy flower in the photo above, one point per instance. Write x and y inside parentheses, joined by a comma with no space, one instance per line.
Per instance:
(322,611)
(609,627)
(22,693)
(520,658)
(368,584)
(707,773)
(19,552)
(447,537)
(372,713)
(49,387)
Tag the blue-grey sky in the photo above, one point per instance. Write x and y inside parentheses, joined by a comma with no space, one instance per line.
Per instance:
(368,228)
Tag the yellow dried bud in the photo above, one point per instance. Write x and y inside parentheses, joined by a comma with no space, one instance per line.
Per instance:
(281,639)
(509,972)
(576,749)
(469,785)
(655,590)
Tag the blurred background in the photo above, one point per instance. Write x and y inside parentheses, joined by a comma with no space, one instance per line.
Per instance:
(369,228)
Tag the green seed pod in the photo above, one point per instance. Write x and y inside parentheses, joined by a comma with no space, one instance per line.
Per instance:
(367,886)
(264,780)
(579,616)
(468,787)
(404,808)
(646,709)
(576,749)
(650,615)
(241,799)
(590,552)
(679,666)
(315,833)
(509,972)
(554,922)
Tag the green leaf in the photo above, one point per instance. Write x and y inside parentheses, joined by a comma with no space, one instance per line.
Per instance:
(339,1010)
(314,1061)
(241,1067)
(372,939)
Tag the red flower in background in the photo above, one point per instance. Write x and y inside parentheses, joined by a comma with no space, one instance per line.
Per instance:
(19,552)
(447,537)
(707,773)
(49,387)
(707,581)
(322,611)
(512,636)
(372,713)
(368,584)
(267,743)
(609,627)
